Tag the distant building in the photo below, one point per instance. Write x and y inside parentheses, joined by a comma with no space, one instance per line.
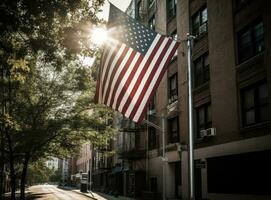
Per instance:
(52,163)
(65,170)
(82,164)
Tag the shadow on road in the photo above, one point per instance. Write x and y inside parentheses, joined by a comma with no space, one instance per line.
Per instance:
(65,188)
(29,195)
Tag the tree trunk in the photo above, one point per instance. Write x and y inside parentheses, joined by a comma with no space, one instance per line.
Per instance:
(23,176)
(12,177)
(11,165)
(13,183)
(2,167)
(1,179)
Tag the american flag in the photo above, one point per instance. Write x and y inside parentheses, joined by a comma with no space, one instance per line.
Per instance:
(133,63)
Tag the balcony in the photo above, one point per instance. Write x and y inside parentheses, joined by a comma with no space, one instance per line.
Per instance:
(173,107)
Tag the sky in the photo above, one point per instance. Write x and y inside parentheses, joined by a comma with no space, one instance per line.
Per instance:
(121,4)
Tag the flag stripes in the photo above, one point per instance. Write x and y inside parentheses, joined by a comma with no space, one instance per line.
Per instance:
(155,82)
(152,61)
(153,72)
(138,75)
(128,79)
(133,63)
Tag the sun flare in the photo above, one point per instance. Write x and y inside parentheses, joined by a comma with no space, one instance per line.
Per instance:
(98,36)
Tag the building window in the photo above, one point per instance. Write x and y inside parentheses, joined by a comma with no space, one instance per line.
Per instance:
(152,103)
(200,21)
(255,104)
(152,138)
(171,8)
(201,70)
(204,118)
(250,41)
(173,88)
(152,23)
(139,10)
(173,125)
(174,36)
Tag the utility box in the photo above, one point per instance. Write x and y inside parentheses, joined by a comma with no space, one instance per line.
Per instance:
(84,182)
(83,187)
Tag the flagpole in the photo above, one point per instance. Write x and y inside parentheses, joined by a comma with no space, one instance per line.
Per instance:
(164,156)
(190,38)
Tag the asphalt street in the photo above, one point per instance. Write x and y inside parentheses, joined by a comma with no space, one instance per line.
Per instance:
(51,192)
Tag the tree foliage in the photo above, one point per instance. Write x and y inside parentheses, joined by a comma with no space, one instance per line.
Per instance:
(38,173)
(46,94)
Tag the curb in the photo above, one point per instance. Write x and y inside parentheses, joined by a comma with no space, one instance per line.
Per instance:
(84,194)
(78,192)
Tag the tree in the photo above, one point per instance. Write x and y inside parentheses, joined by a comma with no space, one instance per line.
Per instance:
(38,173)
(55,177)
(44,88)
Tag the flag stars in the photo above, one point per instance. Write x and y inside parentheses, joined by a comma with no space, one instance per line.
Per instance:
(132,33)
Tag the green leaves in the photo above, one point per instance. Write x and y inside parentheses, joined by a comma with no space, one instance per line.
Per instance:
(39,173)
(10,123)
(47,95)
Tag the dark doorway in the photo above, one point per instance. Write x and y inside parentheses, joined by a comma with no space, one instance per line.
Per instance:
(178,180)
(198,180)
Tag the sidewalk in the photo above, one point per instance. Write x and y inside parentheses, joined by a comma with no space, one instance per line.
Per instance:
(96,195)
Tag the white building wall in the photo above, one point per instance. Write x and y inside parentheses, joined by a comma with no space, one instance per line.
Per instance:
(52,163)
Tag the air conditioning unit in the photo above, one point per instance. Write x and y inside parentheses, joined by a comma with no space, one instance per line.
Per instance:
(203,28)
(203,133)
(151,112)
(210,132)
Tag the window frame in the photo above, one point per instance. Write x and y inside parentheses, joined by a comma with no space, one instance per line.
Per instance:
(176,137)
(195,30)
(171,12)
(139,10)
(206,123)
(152,103)
(151,23)
(250,29)
(202,75)
(174,36)
(257,106)
(173,93)
(152,138)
